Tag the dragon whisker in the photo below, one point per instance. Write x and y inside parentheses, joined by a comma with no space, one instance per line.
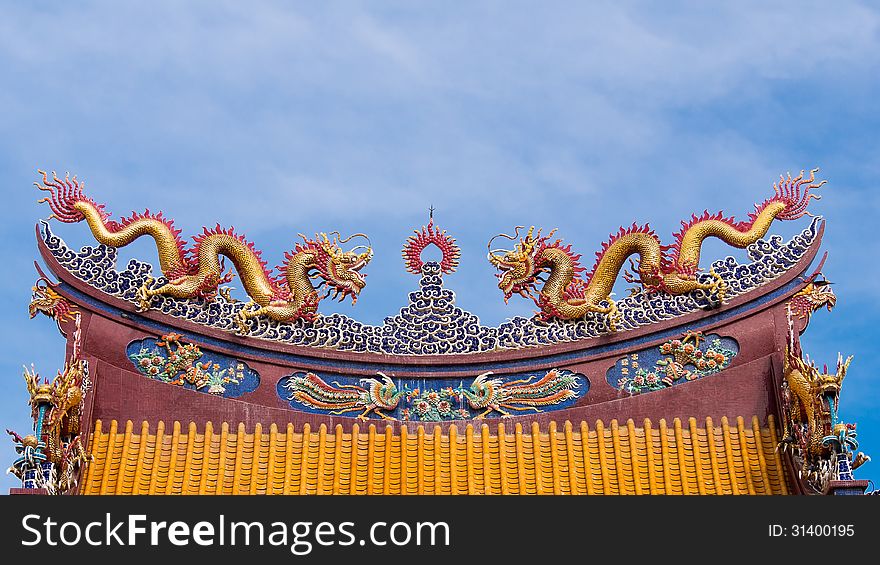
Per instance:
(512,238)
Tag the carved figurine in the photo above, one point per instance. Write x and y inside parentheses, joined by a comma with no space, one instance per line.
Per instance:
(313,391)
(495,394)
(46,301)
(198,271)
(824,445)
(671,269)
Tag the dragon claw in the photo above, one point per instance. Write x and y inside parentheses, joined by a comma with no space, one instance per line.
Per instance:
(718,286)
(612,315)
(144,296)
(241,324)
(241,319)
(225,292)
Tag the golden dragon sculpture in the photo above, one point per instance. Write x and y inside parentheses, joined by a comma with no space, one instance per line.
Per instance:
(810,400)
(198,271)
(56,409)
(814,296)
(45,300)
(673,269)
(57,406)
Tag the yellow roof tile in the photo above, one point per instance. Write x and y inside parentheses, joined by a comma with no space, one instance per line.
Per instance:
(607,459)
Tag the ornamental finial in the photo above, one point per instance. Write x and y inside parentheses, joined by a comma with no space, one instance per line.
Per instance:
(412,249)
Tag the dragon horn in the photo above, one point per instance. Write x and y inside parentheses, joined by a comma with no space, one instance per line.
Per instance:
(339,238)
(49,284)
(492,256)
(31,379)
(510,237)
(842,366)
(367,255)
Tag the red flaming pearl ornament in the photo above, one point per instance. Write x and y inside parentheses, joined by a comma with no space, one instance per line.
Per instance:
(412,250)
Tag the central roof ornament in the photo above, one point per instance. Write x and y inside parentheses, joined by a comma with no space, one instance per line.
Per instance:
(412,249)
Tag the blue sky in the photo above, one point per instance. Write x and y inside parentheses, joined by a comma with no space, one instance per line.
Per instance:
(279,119)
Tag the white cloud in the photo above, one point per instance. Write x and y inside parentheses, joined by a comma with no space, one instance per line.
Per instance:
(581,116)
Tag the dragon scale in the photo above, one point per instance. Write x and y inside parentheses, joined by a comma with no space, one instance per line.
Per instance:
(672,269)
(198,272)
(736,235)
(168,244)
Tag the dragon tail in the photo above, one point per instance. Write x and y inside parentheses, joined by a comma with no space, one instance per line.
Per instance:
(64,195)
(792,195)
(70,205)
(795,196)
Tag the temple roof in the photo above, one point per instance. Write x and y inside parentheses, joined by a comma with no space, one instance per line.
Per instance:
(592,395)
(689,458)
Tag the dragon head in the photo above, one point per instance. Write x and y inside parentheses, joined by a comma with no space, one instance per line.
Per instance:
(827,385)
(824,387)
(339,269)
(63,393)
(817,294)
(519,271)
(46,301)
(520,267)
(41,393)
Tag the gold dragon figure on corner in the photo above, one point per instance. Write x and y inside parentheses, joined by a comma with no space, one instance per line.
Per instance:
(198,271)
(672,269)
(56,408)
(810,399)
(45,300)
(815,296)
(57,405)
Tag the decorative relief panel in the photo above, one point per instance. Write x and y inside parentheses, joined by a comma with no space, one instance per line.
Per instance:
(677,361)
(433,400)
(173,361)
